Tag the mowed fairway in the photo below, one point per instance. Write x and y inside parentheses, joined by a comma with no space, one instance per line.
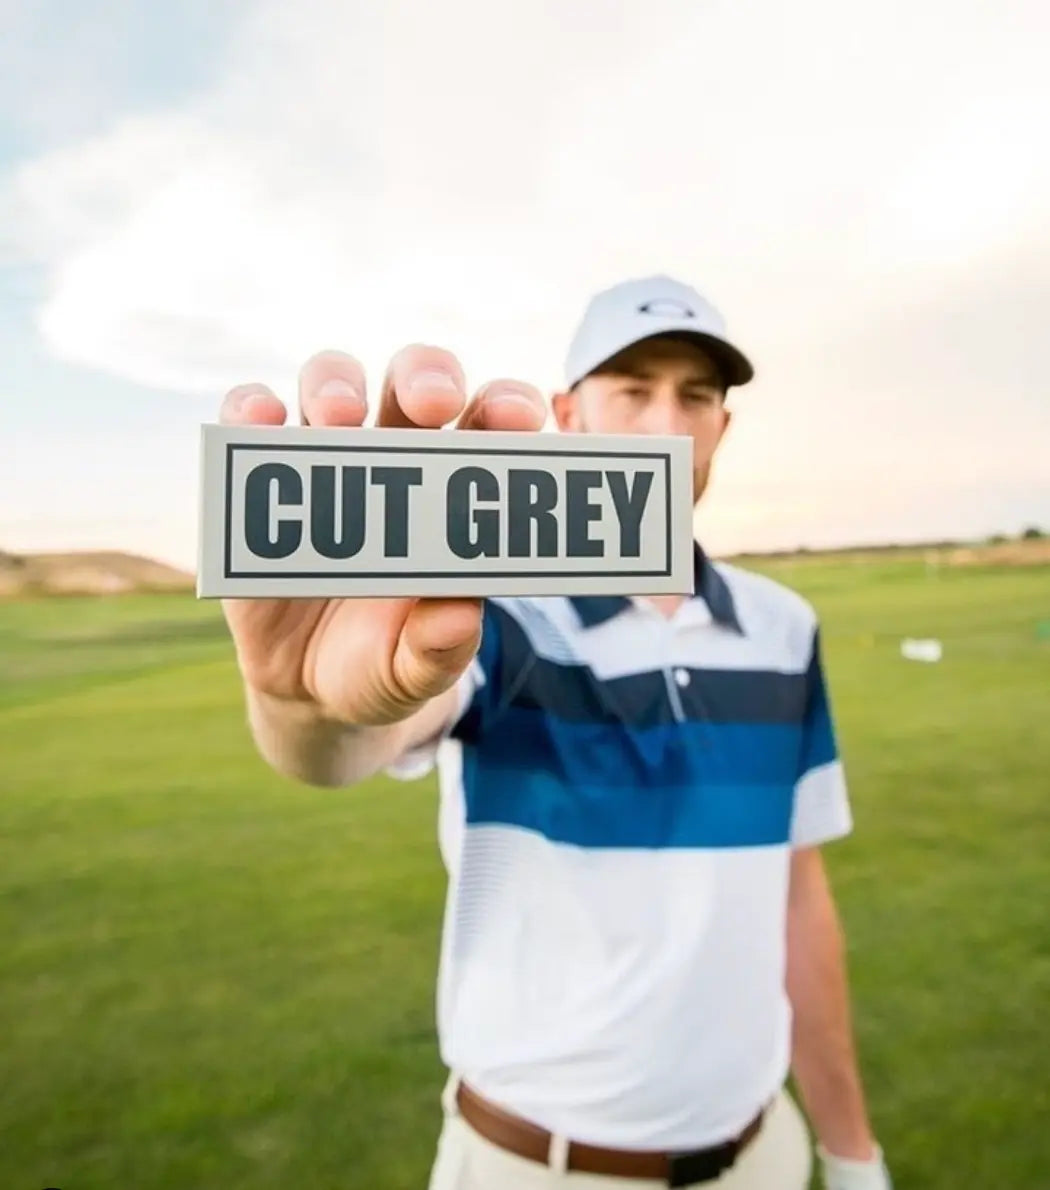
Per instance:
(211,979)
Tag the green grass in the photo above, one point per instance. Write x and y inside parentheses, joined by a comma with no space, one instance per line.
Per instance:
(210,978)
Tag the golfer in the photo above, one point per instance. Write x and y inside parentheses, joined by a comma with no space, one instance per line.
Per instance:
(640,944)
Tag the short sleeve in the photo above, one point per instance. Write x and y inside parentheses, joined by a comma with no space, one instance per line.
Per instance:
(479,694)
(822,810)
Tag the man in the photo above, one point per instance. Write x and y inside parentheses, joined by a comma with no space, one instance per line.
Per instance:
(640,942)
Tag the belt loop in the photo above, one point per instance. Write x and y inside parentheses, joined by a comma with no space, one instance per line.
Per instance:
(558,1153)
(448,1095)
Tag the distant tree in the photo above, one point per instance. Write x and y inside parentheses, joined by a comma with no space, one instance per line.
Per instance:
(998,539)
(1032,534)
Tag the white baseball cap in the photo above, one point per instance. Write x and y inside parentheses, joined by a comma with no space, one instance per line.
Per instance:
(641,308)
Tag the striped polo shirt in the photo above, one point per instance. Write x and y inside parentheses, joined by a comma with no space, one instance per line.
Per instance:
(620,795)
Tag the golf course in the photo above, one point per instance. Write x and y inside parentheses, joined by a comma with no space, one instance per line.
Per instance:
(214,979)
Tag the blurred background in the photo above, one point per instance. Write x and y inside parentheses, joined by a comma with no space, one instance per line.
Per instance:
(211,978)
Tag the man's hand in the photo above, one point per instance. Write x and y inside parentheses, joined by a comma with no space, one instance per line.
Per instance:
(840,1173)
(359,663)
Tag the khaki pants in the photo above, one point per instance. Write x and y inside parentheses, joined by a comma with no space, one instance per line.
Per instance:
(779,1158)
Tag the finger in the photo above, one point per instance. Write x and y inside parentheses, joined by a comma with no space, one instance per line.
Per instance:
(252,405)
(332,390)
(424,388)
(505,405)
(437,642)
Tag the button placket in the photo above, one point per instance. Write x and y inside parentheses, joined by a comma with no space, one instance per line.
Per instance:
(670,672)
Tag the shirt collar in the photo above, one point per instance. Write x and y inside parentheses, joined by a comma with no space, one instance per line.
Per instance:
(708,585)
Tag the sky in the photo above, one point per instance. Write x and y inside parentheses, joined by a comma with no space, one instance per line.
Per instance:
(199,195)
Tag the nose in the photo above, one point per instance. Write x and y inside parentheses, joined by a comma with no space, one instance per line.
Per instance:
(665,415)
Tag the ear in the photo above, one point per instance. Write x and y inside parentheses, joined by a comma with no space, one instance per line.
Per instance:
(566,413)
(727,422)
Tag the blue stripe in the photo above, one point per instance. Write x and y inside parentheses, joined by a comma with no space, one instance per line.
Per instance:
(683,785)
(596,817)
(819,744)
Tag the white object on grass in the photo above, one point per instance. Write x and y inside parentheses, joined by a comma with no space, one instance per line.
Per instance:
(921,650)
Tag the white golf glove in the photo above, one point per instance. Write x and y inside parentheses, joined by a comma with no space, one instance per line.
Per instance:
(842,1173)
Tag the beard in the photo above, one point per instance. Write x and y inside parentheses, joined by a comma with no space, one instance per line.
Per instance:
(701,478)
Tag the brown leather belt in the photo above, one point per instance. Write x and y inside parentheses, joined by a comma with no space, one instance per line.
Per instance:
(527,1140)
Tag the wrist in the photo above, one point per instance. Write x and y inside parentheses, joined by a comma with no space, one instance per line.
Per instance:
(861,1148)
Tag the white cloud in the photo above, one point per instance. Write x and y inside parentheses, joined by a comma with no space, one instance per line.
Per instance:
(838,177)
(367,173)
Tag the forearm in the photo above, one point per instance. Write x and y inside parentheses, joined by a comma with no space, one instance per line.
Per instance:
(824,1059)
(297,740)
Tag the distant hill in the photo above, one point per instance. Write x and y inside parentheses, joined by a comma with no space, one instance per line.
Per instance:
(110,572)
(90,572)
(1020,551)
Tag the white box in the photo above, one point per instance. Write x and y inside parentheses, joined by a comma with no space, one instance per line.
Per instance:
(302,512)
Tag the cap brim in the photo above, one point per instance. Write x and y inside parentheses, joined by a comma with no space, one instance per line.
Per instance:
(736,367)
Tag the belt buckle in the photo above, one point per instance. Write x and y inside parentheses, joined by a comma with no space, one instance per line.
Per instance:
(703,1165)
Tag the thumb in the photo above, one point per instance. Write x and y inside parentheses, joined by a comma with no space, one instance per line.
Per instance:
(438,641)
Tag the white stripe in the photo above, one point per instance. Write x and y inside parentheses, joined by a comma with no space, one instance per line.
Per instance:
(547,637)
(822,810)
(638,640)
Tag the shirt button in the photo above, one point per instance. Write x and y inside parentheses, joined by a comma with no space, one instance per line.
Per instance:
(681,676)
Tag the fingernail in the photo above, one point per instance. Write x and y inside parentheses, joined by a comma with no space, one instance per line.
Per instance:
(255,401)
(432,382)
(509,397)
(336,386)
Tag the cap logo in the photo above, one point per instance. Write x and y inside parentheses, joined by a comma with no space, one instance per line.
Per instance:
(666,308)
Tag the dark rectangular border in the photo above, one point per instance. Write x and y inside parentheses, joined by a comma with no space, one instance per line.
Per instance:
(232,447)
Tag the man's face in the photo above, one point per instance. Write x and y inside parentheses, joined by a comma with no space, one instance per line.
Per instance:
(659,386)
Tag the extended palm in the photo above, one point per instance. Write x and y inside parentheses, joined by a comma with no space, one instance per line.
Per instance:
(368,661)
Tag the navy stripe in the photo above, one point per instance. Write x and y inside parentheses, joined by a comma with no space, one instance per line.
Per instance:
(684,785)
(505,655)
(641,700)
(819,742)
